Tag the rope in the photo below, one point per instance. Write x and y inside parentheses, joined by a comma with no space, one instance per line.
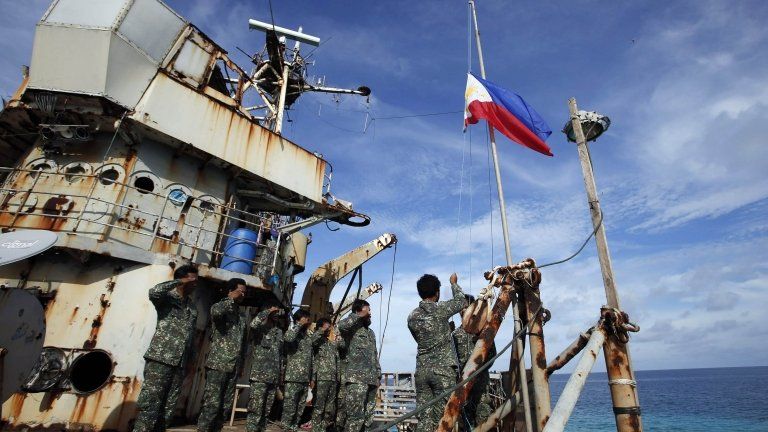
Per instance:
(583,245)
(389,301)
(471,207)
(112,141)
(461,195)
(441,396)
(417,115)
(490,192)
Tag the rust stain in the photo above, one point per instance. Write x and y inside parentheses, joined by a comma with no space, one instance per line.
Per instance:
(541,361)
(17,403)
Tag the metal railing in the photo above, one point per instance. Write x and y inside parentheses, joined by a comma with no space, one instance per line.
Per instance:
(223,215)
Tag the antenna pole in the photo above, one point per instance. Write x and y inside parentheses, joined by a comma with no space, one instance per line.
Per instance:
(621,377)
(516,359)
(284,86)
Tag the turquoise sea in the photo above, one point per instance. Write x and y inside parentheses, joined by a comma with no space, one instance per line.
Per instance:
(681,400)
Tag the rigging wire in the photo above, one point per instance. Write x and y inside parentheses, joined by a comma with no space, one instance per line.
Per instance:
(461,195)
(389,301)
(490,193)
(471,205)
(441,397)
(583,245)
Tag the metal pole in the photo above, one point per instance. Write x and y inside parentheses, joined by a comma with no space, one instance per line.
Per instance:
(569,352)
(621,378)
(284,87)
(575,384)
(539,376)
(516,359)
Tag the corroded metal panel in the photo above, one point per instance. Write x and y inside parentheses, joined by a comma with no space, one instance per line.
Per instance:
(99,307)
(191,117)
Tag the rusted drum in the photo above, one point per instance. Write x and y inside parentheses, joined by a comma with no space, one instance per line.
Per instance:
(22,331)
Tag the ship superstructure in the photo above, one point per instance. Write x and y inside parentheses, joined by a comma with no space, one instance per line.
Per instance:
(130,138)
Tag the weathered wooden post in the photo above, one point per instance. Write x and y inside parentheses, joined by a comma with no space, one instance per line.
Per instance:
(621,378)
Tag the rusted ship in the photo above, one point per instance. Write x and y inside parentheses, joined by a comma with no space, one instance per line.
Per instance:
(135,138)
(138,144)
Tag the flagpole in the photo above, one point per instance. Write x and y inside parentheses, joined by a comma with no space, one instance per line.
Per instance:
(516,359)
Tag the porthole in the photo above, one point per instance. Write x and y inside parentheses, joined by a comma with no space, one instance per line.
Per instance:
(76,172)
(90,371)
(144,184)
(108,176)
(42,164)
(177,196)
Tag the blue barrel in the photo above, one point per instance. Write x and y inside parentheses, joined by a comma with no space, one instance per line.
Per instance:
(240,251)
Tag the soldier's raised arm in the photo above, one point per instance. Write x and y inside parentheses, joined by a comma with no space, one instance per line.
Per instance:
(222,308)
(457,303)
(260,321)
(350,323)
(160,293)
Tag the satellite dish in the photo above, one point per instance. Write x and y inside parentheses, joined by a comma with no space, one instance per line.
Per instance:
(21,244)
(22,332)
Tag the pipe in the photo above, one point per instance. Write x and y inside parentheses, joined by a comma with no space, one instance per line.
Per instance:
(569,352)
(575,384)
(273,199)
(542,406)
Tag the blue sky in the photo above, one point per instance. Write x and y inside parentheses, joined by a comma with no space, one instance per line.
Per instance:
(681,172)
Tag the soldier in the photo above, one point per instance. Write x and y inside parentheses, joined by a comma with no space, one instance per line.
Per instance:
(224,358)
(326,377)
(299,345)
(478,406)
(266,361)
(436,366)
(169,351)
(362,370)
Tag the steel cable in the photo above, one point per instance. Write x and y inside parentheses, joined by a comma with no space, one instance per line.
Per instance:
(583,245)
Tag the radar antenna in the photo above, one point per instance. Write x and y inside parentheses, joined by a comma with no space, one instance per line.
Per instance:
(280,75)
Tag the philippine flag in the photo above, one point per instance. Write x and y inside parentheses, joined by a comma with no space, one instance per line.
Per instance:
(507,112)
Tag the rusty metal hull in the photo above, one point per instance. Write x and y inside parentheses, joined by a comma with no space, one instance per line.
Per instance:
(105,308)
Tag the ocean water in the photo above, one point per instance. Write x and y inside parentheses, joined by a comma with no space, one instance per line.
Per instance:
(682,400)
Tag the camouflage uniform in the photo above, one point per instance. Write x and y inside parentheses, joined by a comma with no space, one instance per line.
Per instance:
(299,345)
(166,357)
(362,373)
(326,376)
(266,361)
(436,367)
(222,365)
(478,406)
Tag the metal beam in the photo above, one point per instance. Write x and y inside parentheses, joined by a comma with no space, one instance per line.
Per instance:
(575,384)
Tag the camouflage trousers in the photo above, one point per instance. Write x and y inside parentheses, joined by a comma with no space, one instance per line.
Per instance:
(294,401)
(260,402)
(478,406)
(341,413)
(159,393)
(217,400)
(359,402)
(324,406)
(430,382)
